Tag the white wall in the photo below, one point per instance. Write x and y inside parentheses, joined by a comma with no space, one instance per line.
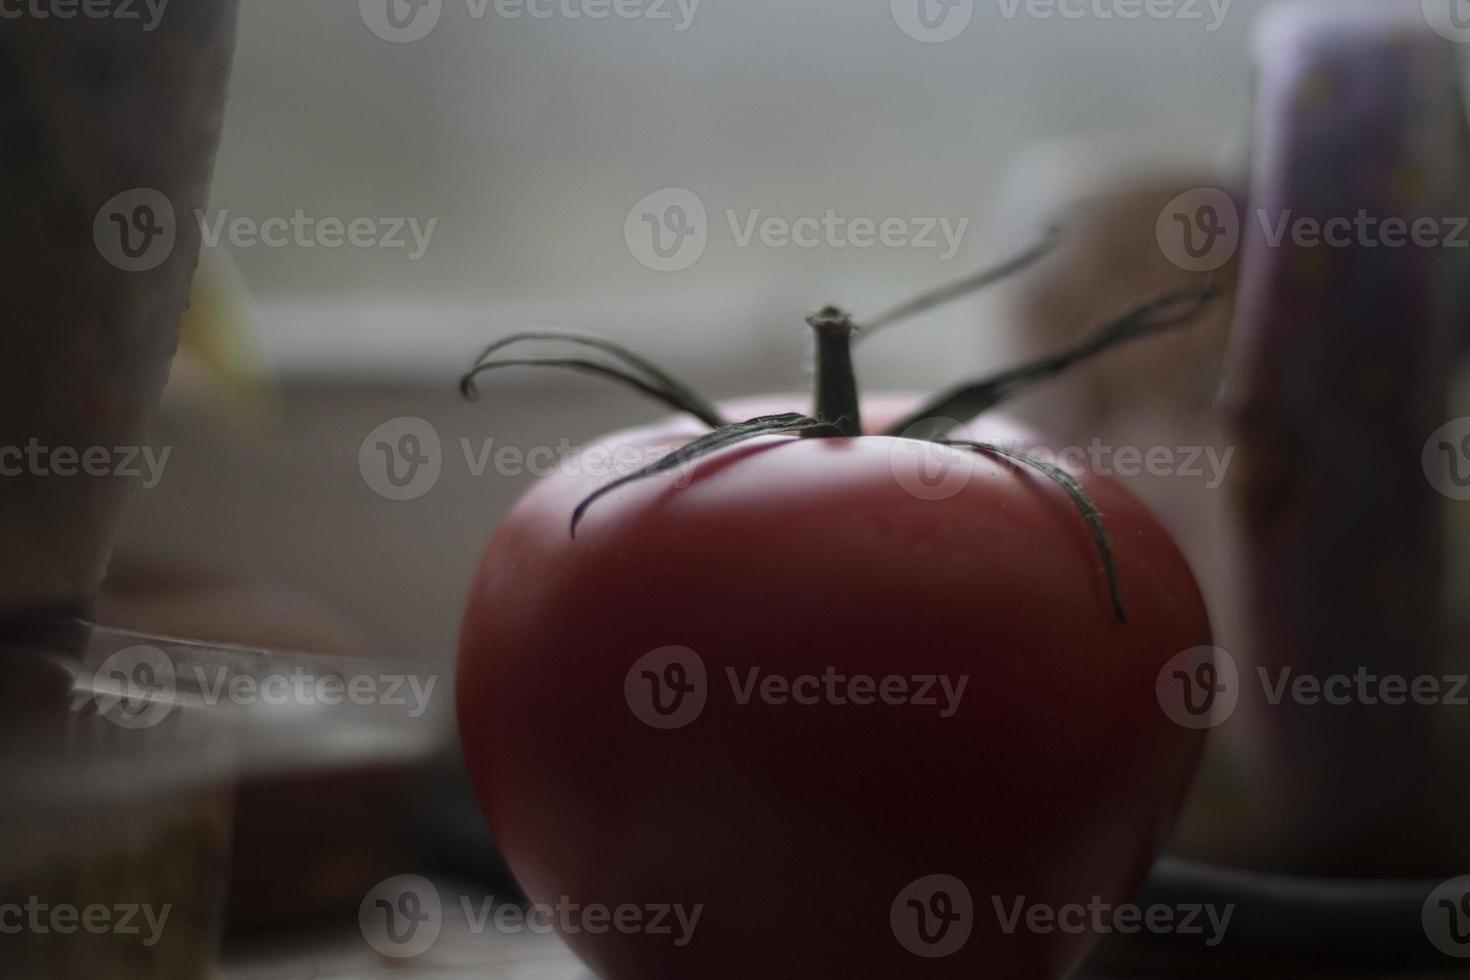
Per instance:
(530,140)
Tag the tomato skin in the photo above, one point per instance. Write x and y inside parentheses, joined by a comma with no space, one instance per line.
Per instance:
(795,827)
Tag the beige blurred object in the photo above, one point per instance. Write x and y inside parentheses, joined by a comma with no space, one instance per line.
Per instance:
(1157,392)
(1110,259)
(108,133)
(211,606)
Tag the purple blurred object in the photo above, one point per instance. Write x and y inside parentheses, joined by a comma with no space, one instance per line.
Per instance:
(1338,374)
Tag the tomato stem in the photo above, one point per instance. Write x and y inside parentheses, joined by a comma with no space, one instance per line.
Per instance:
(837,392)
(721,438)
(972,283)
(632,370)
(837,414)
(977,397)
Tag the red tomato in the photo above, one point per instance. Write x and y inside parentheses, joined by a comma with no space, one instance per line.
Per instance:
(601,682)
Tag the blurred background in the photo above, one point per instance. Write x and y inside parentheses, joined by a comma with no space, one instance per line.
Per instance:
(400,182)
(527,142)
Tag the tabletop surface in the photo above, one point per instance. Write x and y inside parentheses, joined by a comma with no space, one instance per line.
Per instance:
(463,951)
(458,954)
